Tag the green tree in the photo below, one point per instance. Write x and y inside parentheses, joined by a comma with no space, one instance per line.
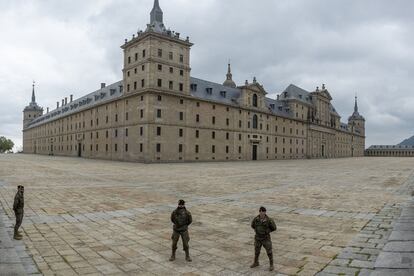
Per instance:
(5,144)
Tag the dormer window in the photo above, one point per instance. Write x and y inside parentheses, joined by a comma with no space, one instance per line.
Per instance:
(209,90)
(272,106)
(300,96)
(223,94)
(193,87)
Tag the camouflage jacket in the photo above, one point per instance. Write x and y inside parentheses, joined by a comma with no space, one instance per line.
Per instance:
(18,204)
(263,228)
(181,219)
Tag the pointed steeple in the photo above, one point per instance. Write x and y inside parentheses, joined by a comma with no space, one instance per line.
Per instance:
(33,93)
(156,13)
(229,78)
(356,104)
(229,75)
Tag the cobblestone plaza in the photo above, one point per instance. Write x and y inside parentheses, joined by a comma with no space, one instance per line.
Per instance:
(94,217)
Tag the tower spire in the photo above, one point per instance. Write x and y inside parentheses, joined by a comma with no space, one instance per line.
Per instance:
(156,13)
(356,104)
(33,93)
(229,75)
(229,78)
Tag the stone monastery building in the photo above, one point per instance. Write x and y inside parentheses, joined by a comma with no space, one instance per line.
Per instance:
(159,113)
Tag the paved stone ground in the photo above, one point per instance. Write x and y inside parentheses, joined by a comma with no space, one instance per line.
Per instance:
(91,217)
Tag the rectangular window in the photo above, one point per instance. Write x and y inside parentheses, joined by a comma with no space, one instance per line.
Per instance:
(116,147)
(180,148)
(240,123)
(141,146)
(106,134)
(129,59)
(227,136)
(171,70)
(213,120)
(159,83)
(106,147)
(143,67)
(170,55)
(126,147)
(182,73)
(180,132)
(239,150)
(181,58)
(196,148)
(158,131)
(227,149)
(159,67)
(197,133)
(197,118)
(158,113)
(126,132)
(159,98)
(142,83)
(127,87)
(142,113)
(213,149)
(158,148)
(126,116)
(181,87)
(143,53)
(171,85)
(141,131)
(116,133)
(227,121)
(181,116)
(136,56)
(213,135)
(240,137)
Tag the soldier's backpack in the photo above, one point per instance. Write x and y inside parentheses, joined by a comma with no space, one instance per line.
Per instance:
(182,218)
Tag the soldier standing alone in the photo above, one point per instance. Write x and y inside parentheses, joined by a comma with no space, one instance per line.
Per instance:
(263,226)
(18,207)
(181,218)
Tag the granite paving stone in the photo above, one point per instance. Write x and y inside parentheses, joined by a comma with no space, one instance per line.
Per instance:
(113,218)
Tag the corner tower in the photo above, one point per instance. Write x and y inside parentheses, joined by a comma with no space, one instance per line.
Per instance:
(32,111)
(157,58)
(356,122)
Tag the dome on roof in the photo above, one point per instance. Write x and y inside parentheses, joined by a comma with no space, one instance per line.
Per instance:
(229,78)
(229,83)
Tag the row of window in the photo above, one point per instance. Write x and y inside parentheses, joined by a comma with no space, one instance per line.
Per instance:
(160,54)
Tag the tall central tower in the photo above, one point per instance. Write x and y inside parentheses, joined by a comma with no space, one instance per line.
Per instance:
(157,58)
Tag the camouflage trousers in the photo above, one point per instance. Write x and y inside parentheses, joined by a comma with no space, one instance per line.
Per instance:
(185,237)
(266,243)
(19,220)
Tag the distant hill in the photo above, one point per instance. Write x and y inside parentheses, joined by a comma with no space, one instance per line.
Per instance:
(408,142)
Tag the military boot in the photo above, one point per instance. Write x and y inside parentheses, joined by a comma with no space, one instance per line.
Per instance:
(256,261)
(271,267)
(172,258)
(17,236)
(187,256)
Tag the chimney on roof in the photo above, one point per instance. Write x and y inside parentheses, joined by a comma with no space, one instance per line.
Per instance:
(57,104)
(66,100)
(63,102)
(71,98)
(103,85)
(47,110)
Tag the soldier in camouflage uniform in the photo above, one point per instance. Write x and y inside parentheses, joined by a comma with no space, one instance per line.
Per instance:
(263,226)
(181,218)
(18,207)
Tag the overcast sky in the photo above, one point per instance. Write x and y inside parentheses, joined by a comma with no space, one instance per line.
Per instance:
(354,46)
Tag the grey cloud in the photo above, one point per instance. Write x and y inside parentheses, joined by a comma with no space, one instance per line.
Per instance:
(353,46)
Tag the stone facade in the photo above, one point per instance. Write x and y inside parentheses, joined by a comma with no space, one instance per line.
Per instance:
(390,151)
(159,113)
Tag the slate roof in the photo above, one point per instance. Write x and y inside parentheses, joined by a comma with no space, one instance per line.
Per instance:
(106,94)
